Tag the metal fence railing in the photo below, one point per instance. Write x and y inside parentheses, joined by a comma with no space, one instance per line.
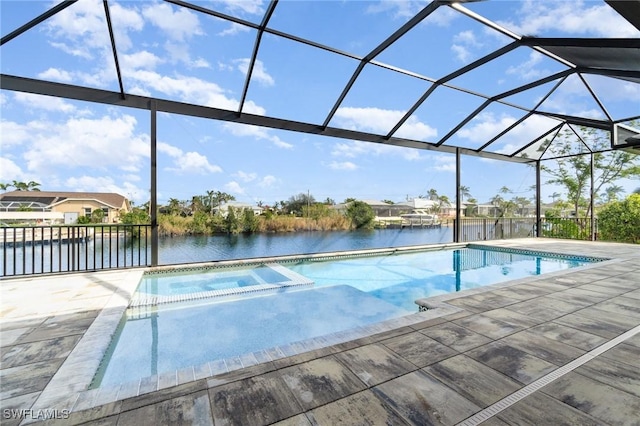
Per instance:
(484,229)
(49,249)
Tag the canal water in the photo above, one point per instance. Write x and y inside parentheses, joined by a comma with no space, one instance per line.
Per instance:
(97,254)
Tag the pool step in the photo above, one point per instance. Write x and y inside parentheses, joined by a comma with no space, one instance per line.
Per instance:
(295,280)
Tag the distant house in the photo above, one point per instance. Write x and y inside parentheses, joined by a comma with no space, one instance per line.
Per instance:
(223,209)
(53,206)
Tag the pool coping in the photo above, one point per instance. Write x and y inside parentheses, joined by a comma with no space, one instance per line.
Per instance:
(68,389)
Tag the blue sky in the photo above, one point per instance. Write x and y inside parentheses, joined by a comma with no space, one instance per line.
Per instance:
(174,53)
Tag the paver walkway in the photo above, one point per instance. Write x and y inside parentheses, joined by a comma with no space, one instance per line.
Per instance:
(544,337)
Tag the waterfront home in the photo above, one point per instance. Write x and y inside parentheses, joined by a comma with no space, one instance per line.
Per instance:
(238,206)
(57,207)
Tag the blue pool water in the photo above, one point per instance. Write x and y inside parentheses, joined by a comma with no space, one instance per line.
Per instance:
(173,284)
(346,293)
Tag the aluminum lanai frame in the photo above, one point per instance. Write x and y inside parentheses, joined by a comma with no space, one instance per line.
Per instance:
(613,58)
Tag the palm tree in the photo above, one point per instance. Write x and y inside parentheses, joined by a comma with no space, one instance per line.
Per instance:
(554,196)
(32,186)
(464,192)
(497,200)
(174,206)
(19,186)
(612,192)
(4,186)
(432,194)
(505,190)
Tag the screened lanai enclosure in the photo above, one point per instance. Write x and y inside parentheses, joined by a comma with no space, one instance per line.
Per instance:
(520,82)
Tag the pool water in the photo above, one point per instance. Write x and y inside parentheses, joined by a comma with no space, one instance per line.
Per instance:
(173,284)
(401,279)
(346,293)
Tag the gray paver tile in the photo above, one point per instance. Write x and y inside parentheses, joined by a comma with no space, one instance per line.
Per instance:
(421,399)
(21,402)
(362,408)
(419,349)
(60,326)
(43,350)
(540,409)
(257,400)
(163,394)
(625,353)
(542,347)
(603,287)
(299,420)
(595,398)
(483,301)
(596,322)
(581,295)
(621,305)
(473,380)
(569,335)
(192,409)
(28,378)
(511,317)
(487,326)
(535,310)
(320,381)
(456,337)
(513,362)
(374,364)
(617,374)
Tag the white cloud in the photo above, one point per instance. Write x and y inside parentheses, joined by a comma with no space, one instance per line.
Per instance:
(381,121)
(140,60)
(106,184)
(342,165)
(463,43)
(82,27)
(259,72)
(55,74)
(10,171)
(104,143)
(527,70)
(259,133)
(408,8)
(187,162)
(179,23)
(575,17)
(13,133)
(249,7)
(485,127)
(234,29)
(47,103)
(245,177)
(234,188)
(192,90)
(444,163)
(462,53)
(267,181)
(355,149)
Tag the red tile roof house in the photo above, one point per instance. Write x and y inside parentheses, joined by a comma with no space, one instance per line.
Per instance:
(66,207)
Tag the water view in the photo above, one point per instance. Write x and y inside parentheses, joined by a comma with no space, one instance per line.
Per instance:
(190,249)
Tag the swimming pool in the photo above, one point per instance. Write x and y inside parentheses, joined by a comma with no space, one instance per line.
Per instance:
(347,292)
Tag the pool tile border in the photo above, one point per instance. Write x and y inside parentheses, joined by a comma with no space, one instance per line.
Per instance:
(69,388)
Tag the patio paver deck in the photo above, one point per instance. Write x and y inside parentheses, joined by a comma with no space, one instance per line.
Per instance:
(440,371)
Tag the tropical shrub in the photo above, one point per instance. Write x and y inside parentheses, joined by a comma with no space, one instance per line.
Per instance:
(620,220)
(83,220)
(361,215)
(250,221)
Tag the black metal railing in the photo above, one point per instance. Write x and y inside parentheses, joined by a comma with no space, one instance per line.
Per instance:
(484,229)
(49,249)
(575,228)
